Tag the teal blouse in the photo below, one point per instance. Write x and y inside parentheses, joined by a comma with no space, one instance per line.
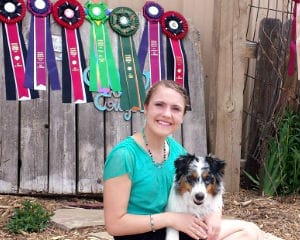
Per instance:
(150,184)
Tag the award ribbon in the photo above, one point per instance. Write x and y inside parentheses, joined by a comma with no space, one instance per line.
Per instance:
(40,48)
(70,15)
(152,39)
(175,27)
(125,22)
(103,71)
(11,14)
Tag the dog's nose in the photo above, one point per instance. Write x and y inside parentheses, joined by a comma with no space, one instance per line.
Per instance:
(199,196)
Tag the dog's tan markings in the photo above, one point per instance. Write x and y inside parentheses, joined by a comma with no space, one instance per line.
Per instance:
(211,187)
(204,175)
(195,175)
(184,186)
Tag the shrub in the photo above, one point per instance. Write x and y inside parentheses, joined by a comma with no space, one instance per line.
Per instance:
(281,173)
(31,217)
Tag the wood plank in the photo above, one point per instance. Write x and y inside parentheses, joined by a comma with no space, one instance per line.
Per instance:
(90,140)
(194,125)
(230,88)
(33,138)
(9,139)
(62,136)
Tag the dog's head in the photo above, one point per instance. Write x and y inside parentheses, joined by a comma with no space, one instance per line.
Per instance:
(199,177)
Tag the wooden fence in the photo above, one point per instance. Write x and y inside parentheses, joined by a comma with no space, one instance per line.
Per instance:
(50,147)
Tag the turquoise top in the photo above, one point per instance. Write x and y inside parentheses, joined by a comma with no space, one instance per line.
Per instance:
(150,184)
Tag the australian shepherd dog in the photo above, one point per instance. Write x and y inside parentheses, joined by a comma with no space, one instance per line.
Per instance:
(197,188)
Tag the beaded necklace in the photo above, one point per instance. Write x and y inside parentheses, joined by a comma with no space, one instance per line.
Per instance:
(157,164)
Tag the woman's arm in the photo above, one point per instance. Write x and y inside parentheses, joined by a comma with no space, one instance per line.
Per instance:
(118,222)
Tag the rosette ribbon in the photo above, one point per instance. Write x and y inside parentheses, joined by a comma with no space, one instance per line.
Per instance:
(40,55)
(70,15)
(125,23)
(104,74)
(12,13)
(175,27)
(295,41)
(152,42)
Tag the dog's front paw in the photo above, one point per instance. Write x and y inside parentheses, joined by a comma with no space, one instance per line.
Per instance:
(172,234)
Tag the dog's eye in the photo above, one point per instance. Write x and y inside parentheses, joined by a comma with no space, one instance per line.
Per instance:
(208,180)
(191,179)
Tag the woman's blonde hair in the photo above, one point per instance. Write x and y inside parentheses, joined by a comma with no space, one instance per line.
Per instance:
(169,84)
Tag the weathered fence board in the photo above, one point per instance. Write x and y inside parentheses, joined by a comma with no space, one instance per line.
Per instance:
(9,137)
(269,72)
(62,146)
(194,127)
(230,89)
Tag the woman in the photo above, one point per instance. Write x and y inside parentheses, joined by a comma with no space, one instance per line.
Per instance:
(138,175)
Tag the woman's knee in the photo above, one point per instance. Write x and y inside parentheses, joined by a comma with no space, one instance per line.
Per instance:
(252,231)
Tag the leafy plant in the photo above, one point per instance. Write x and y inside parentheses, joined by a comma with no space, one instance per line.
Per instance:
(281,173)
(254,180)
(31,217)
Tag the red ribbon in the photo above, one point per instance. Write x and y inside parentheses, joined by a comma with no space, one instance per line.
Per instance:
(70,15)
(175,27)
(293,48)
(12,13)
(17,60)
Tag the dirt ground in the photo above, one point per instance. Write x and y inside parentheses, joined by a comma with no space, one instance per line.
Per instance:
(279,216)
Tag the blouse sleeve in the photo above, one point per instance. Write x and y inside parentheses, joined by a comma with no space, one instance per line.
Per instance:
(119,162)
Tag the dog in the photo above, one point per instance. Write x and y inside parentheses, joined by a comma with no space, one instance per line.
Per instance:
(197,188)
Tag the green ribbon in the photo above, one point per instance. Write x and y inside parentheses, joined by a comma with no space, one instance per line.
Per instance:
(103,71)
(125,22)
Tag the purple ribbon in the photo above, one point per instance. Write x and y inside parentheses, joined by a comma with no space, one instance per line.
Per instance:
(152,12)
(40,56)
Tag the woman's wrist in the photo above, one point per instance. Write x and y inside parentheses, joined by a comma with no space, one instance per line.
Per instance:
(152,224)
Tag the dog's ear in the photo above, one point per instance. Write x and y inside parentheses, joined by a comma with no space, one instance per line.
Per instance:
(217,166)
(182,164)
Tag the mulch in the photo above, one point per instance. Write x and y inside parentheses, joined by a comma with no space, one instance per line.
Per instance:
(277,215)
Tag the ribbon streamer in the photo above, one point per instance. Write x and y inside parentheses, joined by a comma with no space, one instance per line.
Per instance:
(40,55)
(124,22)
(70,15)
(11,14)
(175,27)
(152,41)
(103,71)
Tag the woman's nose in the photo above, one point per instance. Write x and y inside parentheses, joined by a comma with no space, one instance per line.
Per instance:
(167,112)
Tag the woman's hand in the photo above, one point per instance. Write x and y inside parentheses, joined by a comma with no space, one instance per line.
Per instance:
(190,225)
(213,222)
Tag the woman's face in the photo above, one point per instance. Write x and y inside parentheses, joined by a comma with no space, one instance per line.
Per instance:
(165,111)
